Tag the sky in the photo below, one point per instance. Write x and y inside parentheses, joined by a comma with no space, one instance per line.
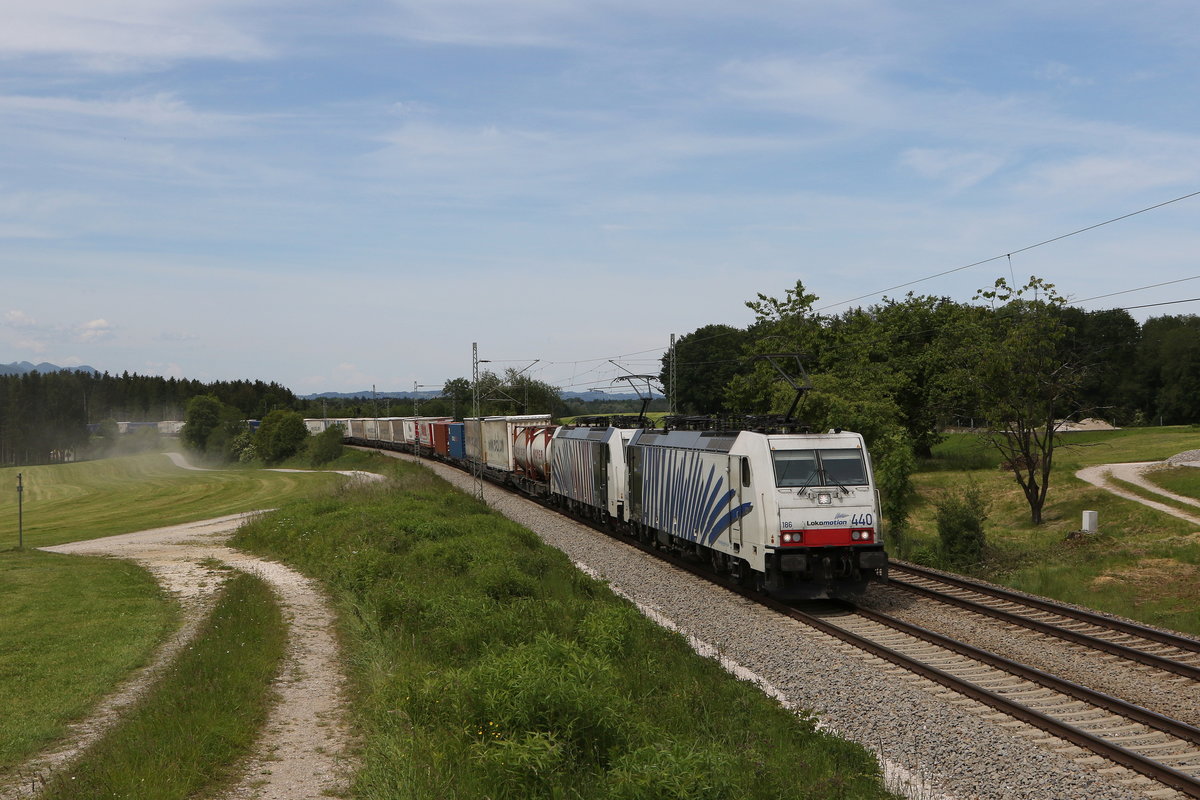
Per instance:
(343,195)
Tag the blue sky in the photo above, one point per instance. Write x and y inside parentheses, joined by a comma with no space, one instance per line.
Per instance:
(340,195)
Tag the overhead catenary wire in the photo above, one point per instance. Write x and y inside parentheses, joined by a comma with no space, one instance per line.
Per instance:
(1138,289)
(1013,252)
(599,362)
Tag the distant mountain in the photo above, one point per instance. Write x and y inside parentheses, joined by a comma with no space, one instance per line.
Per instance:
(22,367)
(367,395)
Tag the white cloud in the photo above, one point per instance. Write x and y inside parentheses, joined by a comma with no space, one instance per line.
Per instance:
(825,86)
(19,319)
(165,369)
(1063,75)
(112,35)
(162,111)
(957,169)
(177,336)
(94,331)
(30,346)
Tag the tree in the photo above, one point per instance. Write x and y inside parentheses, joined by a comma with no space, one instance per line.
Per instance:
(1106,343)
(1024,379)
(1169,357)
(780,326)
(325,446)
(280,435)
(202,417)
(458,391)
(706,360)
(904,349)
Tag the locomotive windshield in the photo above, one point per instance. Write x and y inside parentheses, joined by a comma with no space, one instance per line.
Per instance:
(804,468)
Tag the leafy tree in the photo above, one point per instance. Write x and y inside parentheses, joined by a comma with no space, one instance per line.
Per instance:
(1024,379)
(280,435)
(1170,361)
(706,360)
(904,349)
(1106,344)
(458,391)
(785,325)
(203,416)
(325,446)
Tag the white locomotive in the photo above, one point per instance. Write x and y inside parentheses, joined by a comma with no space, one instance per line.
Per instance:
(794,513)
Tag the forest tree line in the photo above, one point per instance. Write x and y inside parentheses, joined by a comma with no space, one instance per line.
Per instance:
(1008,365)
(44,417)
(919,351)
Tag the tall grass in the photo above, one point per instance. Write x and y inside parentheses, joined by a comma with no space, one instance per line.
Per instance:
(1144,564)
(485,665)
(1180,480)
(71,628)
(201,718)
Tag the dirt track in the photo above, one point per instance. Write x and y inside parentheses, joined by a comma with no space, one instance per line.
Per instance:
(304,749)
(1132,473)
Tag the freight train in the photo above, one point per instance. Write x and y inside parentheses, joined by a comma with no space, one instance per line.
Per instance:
(794,514)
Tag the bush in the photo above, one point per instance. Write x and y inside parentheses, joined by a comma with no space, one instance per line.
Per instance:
(325,446)
(280,436)
(960,516)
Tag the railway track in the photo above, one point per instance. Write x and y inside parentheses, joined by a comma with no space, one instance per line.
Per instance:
(1112,736)
(1162,749)
(1154,648)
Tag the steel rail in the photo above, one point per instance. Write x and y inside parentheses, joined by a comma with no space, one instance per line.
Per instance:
(1132,628)
(1095,642)
(1165,775)
(1162,773)
(1149,718)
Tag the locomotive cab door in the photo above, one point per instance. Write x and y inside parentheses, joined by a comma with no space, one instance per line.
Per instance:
(739,482)
(599,453)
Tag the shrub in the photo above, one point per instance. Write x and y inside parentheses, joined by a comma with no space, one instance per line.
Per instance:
(280,436)
(325,446)
(960,516)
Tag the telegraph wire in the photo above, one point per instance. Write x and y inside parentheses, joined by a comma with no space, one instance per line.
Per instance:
(1167,303)
(1138,289)
(1009,255)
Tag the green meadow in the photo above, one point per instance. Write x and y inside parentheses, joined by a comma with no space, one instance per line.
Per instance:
(72,627)
(90,499)
(1143,564)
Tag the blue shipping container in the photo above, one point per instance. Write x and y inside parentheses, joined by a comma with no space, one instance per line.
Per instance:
(458,441)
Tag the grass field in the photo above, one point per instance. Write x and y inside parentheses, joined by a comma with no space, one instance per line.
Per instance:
(1180,480)
(1144,564)
(486,665)
(86,500)
(72,628)
(205,714)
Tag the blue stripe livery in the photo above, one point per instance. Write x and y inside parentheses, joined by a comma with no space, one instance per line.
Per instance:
(682,496)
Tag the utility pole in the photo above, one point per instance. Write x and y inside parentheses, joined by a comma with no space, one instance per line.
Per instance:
(20,513)
(415,383)
(671,399)
(476,466)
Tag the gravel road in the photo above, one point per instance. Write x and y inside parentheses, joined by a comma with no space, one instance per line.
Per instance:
(304,750)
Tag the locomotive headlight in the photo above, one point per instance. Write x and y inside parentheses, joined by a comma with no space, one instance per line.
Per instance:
(824,498)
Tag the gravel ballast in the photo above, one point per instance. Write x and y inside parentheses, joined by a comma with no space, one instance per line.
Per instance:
(932,743)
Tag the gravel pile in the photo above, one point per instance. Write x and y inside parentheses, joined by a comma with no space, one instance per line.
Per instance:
(1186,457)
(933,744)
